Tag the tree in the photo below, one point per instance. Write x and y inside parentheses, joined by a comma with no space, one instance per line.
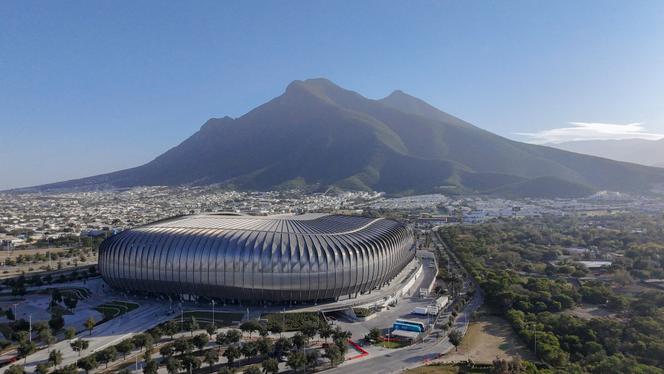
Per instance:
(193,325)
(25,349)
(70,303)
(156,333)
(147,356)
(309,330)
(167,350)
(211,329)
(325,331)
(183,345)
(55,358)
(275,327)
(70,333)
(283,345)
(170,328)
(264,346)
(455,337)
(270,366)
(142,341)
(233,336)
(334,354)
(201,340)
(249,349)
(253,370)
(190,362)
(9,313)
(151,367)
(90,324)
(226,370)
(15,369)
(125,347)
(312,357)
(373,336)
(79,345)
(47,337)
(220,339)
(299,341)
(173,365)
(339,334)
(57,322)
(211,357)
(250,327)
(296,360)
(107,355)
(88,363)
(341,344)
(232,353)
(42,368)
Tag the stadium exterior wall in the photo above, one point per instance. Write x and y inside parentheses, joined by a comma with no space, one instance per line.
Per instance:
(293,258)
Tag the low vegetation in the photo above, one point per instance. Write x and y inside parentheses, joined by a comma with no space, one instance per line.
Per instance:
(529,276)
(294,321)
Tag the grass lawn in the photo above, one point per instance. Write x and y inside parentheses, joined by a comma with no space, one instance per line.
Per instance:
(79,293)
(115,308)
(221,319)
(392,345)
(293,321)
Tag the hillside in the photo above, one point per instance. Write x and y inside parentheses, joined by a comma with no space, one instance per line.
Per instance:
(317,134)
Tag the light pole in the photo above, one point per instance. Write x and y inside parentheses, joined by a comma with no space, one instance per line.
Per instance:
(212,313)
(30,329)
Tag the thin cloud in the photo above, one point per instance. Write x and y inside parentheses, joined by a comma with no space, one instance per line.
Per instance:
(591,131)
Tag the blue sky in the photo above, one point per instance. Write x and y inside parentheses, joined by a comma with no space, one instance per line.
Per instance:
(94,86)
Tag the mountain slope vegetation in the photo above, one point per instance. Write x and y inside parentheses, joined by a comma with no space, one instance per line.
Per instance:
(317,134)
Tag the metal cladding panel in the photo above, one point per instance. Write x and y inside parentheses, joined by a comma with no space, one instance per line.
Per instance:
(278,258)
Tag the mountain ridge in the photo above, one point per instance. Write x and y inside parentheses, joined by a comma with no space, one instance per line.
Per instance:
(317,134)
(638,151)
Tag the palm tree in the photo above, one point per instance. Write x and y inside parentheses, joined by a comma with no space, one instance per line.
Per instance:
(90,324)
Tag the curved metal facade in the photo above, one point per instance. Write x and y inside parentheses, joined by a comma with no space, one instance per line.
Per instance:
(279,258)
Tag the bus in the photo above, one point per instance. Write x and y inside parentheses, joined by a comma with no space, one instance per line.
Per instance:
(407,325)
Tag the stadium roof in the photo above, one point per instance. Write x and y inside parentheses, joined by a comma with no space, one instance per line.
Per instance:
(311,224)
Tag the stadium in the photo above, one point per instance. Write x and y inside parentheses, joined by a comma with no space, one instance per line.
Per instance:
(310,257)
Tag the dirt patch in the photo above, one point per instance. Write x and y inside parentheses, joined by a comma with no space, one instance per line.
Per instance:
(587,312)
(433,369)
(486,339)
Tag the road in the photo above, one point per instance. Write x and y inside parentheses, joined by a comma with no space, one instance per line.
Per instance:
(413,356)
(419,354)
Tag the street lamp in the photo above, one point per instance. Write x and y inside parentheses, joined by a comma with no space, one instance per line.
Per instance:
(212,313)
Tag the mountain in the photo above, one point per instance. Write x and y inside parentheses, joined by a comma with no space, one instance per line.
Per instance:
(317,134)
(639,151)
